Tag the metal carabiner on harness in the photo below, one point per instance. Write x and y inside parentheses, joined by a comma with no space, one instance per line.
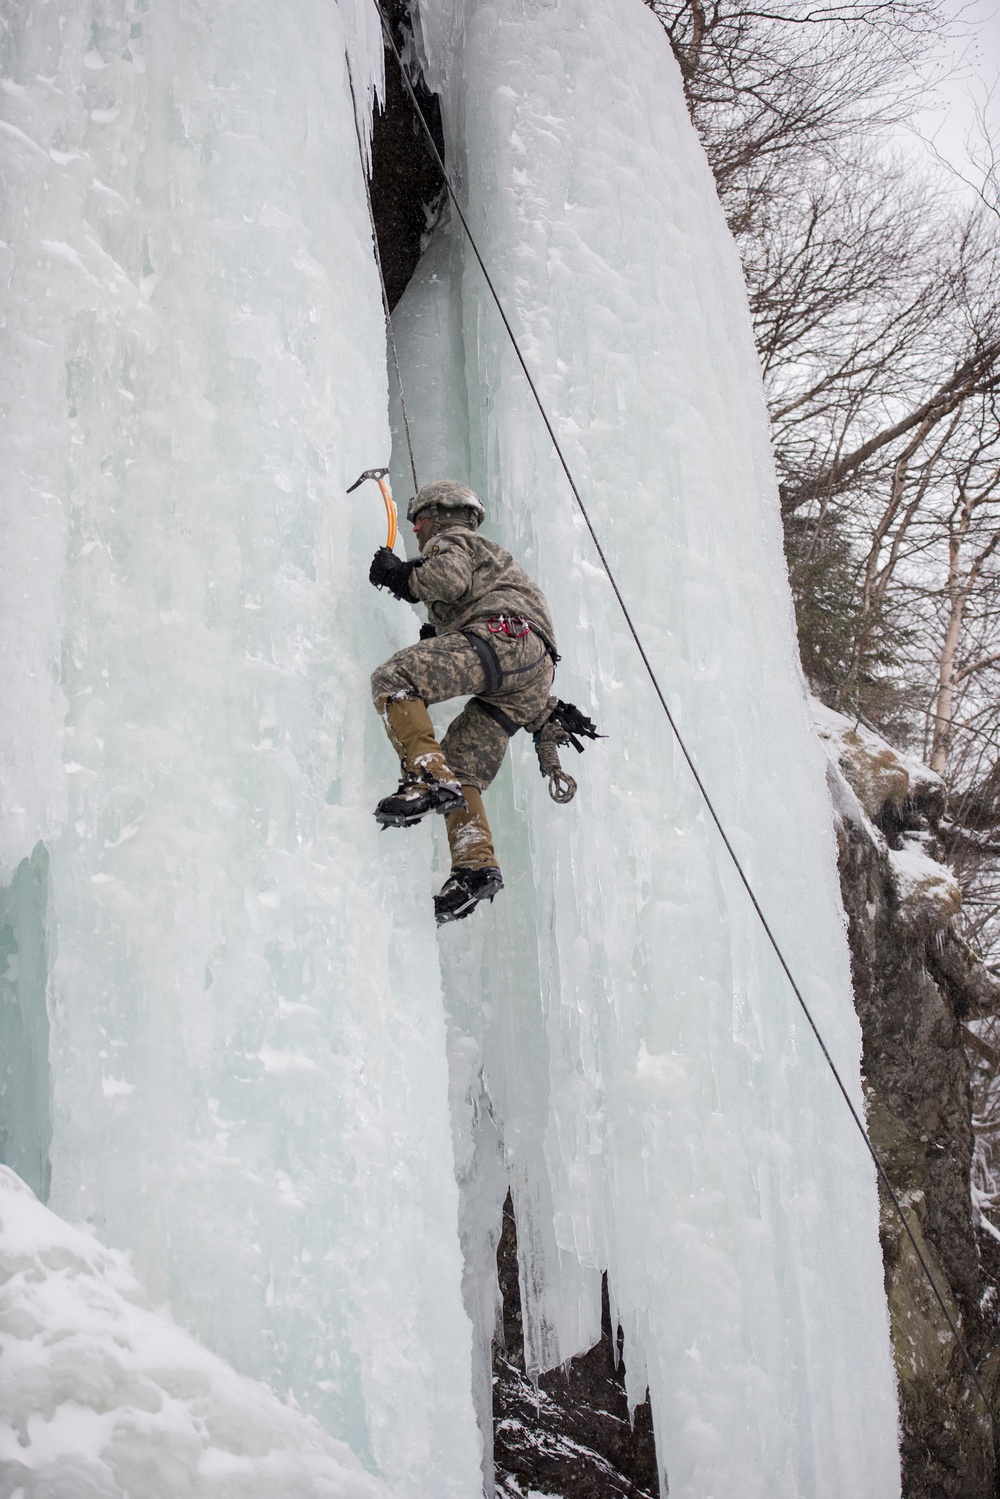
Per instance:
(512,625)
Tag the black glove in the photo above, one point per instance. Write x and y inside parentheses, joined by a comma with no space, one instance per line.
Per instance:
(573,722)
(387,571)
(428,631)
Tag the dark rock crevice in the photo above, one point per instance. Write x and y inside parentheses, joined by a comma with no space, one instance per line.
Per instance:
(406,184)
(572,1436)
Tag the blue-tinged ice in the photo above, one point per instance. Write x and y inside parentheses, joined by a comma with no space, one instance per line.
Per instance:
(249,1084)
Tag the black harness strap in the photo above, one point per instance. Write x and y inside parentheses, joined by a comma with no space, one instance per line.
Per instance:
(488,660)
(494,680)
(495,674)
(498,716)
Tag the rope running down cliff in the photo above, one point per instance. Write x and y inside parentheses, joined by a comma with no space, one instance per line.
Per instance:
(772,939)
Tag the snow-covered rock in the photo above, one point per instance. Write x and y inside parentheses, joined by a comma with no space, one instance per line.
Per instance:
(884,790)
(878,772)
(923,882)
(917,985)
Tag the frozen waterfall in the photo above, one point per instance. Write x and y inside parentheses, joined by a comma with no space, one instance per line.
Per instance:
(231,1027)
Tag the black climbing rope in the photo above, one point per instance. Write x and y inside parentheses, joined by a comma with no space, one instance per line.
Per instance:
(744,879)
(381,275)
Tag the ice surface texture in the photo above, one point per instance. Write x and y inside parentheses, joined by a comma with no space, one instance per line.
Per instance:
(622,1038)
(247,1046)
(102,1397)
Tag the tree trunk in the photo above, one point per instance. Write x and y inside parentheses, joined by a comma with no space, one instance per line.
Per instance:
(944,706)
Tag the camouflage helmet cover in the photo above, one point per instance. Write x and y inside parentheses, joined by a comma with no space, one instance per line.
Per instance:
(446,494)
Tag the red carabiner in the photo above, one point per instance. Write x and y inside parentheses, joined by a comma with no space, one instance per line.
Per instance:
(511,625)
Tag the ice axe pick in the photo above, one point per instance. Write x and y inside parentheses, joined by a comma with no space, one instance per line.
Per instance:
(380,477)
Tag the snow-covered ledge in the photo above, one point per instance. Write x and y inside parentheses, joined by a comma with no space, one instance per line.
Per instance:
(869,777)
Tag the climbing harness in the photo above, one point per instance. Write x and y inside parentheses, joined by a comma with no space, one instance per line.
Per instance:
(564,723)
(496,674)
(498,716)
(703,790)
(488,660)
(562,726)
(381,475)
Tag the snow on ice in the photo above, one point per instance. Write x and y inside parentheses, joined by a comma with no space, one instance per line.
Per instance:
(102,1396)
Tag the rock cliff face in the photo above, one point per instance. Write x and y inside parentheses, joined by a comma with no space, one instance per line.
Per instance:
(917,988)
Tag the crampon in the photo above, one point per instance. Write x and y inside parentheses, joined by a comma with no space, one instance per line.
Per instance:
(415,797)
(463,890)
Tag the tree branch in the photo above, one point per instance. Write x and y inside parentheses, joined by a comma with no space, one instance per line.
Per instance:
(976,373)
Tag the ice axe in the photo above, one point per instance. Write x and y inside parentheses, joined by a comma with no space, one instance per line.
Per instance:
(379,475)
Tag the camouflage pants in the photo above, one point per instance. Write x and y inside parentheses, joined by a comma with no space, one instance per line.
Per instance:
(448,666)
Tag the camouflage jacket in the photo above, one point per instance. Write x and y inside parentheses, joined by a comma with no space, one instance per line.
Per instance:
(465,580)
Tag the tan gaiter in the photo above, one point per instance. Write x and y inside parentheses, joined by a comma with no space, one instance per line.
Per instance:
(411,733)
(469,836)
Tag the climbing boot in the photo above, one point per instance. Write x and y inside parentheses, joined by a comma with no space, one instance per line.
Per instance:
(463,890)
(415,797)
(469,836)
(428,784)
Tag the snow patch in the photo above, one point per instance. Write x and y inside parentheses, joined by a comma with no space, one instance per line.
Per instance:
(923,883)
(876,769)
(103,1395)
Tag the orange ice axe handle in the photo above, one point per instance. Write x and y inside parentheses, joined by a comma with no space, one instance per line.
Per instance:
(380,475)
(390,512)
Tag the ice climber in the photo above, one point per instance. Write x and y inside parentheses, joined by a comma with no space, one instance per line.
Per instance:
(489,635)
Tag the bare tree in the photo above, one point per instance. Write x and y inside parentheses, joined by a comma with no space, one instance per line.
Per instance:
(766,84)
(876,316)
(875,295)
(973,525)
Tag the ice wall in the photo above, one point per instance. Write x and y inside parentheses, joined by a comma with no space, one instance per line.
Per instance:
(247,1051)
(619,1027)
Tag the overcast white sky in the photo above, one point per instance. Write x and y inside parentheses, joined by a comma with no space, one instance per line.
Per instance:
(976,83)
